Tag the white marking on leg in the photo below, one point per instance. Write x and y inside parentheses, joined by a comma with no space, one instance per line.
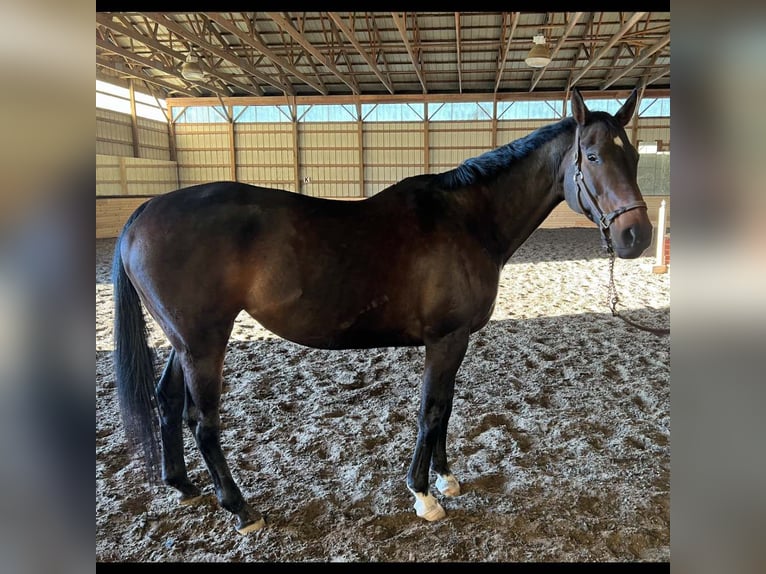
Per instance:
(426,506)
(190,500)
(448,485)
(257,525)
(618,141)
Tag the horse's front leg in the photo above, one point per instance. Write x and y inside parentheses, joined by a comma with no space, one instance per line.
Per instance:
(443,358)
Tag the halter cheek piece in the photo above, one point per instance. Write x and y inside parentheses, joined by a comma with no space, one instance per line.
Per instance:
(604,220)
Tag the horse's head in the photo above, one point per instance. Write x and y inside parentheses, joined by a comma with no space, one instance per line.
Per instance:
(600,179)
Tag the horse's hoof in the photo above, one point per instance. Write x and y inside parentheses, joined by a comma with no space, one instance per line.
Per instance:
(427,507)
(190,500)
(448,485)
(252,527)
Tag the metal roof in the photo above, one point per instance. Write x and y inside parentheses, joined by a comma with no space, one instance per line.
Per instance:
(382,53)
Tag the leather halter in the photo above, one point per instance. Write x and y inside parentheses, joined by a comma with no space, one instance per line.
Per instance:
(604,220)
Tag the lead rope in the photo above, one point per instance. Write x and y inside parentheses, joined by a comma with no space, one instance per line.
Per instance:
(614,299)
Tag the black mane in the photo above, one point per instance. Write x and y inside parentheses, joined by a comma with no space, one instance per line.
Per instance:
(491,162)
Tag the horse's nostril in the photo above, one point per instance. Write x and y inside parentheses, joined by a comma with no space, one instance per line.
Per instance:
(630,236)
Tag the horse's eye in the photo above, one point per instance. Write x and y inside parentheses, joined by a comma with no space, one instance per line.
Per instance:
(592,157)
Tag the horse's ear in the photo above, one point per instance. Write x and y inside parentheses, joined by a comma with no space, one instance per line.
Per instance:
(579,109)
(626,111)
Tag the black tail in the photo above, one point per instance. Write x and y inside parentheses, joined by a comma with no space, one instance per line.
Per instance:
(134,365)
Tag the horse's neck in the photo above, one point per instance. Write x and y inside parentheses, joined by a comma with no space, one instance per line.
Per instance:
(527,192)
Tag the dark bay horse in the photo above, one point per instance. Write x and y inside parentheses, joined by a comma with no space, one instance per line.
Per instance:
(417,264)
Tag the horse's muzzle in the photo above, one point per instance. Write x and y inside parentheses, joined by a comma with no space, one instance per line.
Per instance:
(631,241)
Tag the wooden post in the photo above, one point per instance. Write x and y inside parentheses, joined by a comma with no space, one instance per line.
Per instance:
(296,158)
(660,266)
(123,177)
(494,123)
(360,136)
(133,120)
(426,147)
(634,126)
(232,146)
(172,140)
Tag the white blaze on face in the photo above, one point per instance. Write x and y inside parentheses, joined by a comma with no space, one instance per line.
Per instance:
(618,141)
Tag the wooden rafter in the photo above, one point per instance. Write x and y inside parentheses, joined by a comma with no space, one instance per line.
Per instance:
(352,99)
(288,42)
(617,55)
(661,73)
(416,46)
(132,33)
(232,28)
(363,45)
(588,34)
(215,32)
(285,25)
(337,36)
(641,91)
(379,46)
(162,19)
(580,48)
(612,41)
(329,39)
(367,58)
(595,34)
(570,26)
(400,25)
(501,68)
(139,76)
(127,54)
(654,48)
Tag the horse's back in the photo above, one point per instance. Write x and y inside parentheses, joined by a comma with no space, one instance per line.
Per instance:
(319,272)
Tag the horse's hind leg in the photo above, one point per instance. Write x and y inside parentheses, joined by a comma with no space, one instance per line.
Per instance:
(443,358)
(170,394)
(203,380)
(446,482)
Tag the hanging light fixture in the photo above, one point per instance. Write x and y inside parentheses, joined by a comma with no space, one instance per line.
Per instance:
(539,56)
(191,69)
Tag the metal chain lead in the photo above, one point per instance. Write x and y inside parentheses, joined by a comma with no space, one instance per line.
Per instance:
(614,299)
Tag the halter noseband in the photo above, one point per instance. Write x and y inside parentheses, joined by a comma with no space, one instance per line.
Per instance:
(604,220)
